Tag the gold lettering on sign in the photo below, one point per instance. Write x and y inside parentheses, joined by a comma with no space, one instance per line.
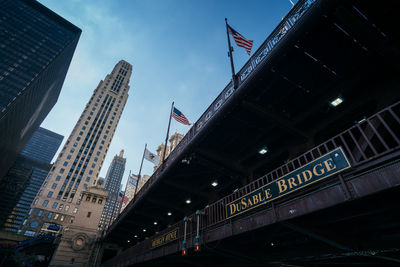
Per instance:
(291,182)
(166,238)
(319,172)
(268,193)
(307,175)
(281,185)
(329,164)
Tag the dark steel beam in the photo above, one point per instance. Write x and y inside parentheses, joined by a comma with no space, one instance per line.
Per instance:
(270,115)
(332,239)
(192,191)
(165,204)
(223,160)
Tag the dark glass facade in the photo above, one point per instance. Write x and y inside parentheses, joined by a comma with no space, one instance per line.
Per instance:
(36,48)
(113,186)
(24,179)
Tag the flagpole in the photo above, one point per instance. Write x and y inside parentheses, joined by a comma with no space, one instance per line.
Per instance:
(140,171)
(166,139)
(230,55)
(126,185)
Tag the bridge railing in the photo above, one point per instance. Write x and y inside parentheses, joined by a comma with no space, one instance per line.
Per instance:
(367,140)
(258,57)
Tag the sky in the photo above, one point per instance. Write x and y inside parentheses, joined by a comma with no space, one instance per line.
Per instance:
(178,50)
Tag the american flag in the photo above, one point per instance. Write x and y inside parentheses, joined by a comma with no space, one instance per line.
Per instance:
(179,117)
(240,40)
(122,197)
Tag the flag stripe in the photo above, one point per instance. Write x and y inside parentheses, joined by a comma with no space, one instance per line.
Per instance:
(240,40)
(179,117)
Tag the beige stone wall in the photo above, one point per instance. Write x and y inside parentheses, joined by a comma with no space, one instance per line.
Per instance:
(173,142)
(78,239)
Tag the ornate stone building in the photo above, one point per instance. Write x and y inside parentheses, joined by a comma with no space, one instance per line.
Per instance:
(61,201)
(173,142)
(78,241)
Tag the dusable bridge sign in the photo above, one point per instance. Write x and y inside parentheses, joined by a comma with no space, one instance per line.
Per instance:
(319,169)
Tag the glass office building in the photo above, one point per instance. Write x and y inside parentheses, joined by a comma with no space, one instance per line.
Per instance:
(25,177)
(36,48)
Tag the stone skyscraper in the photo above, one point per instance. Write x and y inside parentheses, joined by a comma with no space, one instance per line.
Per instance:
(36,48)
(78,164)
(112,185)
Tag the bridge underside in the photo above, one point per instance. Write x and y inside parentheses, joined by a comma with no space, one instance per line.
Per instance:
(332,225)
(339,48)
(367,236)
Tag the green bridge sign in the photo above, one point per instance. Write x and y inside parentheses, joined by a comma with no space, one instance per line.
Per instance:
(319,169)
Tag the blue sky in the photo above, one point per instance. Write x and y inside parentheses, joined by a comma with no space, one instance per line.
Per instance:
(178,50)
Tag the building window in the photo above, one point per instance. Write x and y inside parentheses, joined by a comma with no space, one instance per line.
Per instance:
(88,178)
(45,203)
(78,138)
(61,207)
(94,200)
(54,205)
(62,218)
(88,214)
(29,233)
(88,198)
(54,186)
(93,165)
(30,211)
(66,207)
(100,201)
(65,163)
(62,170)
(36,201)
(34,224)
(80,133)
(75,210)
(40,192)
(96,159)
(90,172)
(40,213)
(50,194)
(50,214)
(72,150)
(85,186)
(58,178)
(56,216)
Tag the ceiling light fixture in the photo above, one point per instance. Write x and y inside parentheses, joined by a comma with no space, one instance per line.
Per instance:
(336,102)
(263,150)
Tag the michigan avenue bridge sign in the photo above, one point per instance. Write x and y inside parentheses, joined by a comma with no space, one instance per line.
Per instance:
(319,169)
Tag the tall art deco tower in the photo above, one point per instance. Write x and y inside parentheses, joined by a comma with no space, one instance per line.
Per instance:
(63,200)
